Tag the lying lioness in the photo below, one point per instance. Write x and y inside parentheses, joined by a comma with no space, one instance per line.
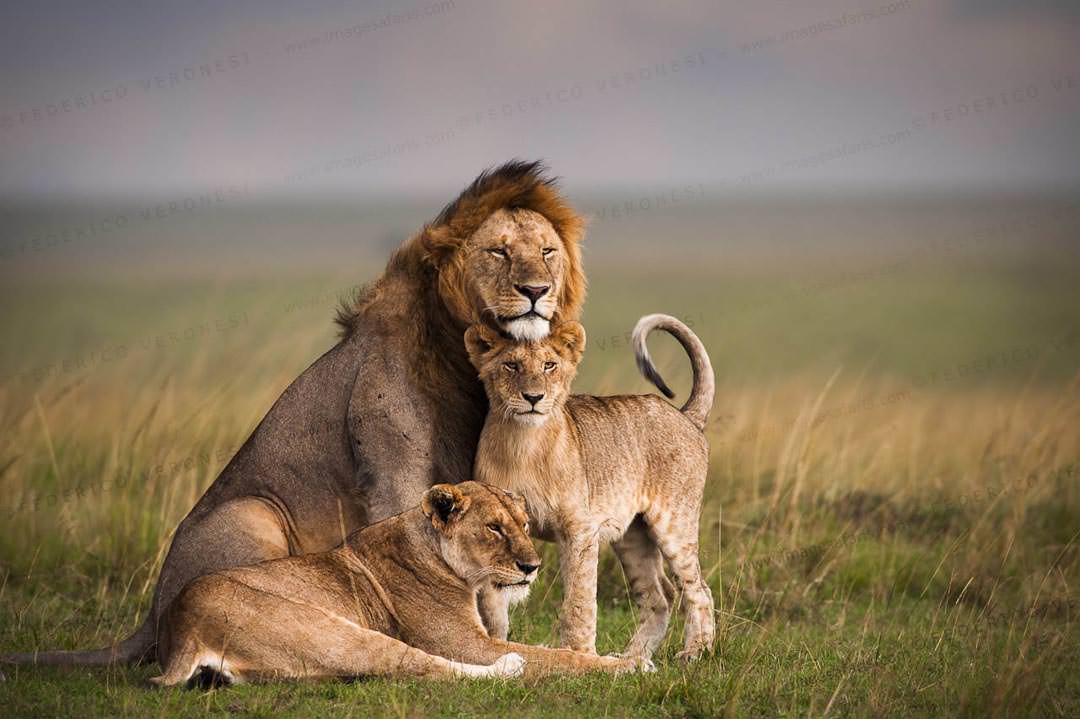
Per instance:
(397,598)
(626,469)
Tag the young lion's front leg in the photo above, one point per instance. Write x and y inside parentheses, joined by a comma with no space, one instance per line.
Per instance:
(494,608)
(578,555)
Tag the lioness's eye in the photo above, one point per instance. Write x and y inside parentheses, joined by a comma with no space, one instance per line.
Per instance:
(510,366)
(497,251)
(548,366)
(547,251)
(495,528)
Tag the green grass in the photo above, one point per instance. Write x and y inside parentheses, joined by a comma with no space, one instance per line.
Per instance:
(890,526)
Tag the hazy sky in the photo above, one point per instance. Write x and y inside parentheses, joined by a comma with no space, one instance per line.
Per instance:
(120,99)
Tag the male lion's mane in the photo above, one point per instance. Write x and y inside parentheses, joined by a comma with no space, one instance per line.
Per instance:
(431,260)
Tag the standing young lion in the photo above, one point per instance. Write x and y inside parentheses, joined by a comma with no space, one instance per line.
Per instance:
(625,469)
(398,598)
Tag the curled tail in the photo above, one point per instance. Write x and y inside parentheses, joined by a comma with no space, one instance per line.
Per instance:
(135,649)
(701,394)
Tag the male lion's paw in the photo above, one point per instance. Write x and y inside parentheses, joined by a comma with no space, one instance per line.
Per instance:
(508,665)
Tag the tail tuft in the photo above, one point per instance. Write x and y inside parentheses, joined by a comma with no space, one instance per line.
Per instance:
(646,367)
(699,404)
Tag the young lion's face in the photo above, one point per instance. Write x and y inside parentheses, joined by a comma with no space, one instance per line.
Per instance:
(483,535)
(526,381)
(514,267)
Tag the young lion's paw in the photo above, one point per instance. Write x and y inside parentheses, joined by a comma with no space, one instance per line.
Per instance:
(692,654)
(508,665)
(633,664)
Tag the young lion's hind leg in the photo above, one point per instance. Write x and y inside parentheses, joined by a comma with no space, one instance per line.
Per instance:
(652,591)
(678,540)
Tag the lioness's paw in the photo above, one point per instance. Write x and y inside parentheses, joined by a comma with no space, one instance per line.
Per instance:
(508,665)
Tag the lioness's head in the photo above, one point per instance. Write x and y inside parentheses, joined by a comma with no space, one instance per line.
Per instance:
(507,253)
(483,535)
(526,381)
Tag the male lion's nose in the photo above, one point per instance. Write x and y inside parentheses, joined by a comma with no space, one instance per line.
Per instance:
(527,568)
(533,292)
(532,398)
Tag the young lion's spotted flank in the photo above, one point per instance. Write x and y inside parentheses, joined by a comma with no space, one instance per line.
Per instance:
(629,470)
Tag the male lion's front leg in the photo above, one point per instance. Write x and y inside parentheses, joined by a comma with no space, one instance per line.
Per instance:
(579,552)
(494,608)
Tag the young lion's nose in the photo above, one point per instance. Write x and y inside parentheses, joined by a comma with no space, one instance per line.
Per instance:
(532,398)
(527,568)
(533,292)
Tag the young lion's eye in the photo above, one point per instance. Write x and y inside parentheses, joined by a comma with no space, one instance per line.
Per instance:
(495,528)
(548,366)
(525,528)
(497,251)
(510,366)
(547,251)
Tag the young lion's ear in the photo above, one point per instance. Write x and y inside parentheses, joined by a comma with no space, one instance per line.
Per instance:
(570,336)
(442,503)
(479,340)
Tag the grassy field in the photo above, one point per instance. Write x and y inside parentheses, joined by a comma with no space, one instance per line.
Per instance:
(891,521)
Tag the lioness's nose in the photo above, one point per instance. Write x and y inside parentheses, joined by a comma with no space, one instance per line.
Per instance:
(527,568)
(533,292)
(532,398)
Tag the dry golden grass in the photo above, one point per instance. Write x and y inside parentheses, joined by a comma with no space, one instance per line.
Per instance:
(880,541)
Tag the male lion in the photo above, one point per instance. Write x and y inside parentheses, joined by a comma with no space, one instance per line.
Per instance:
(394,407)
(625,469)
(397,598)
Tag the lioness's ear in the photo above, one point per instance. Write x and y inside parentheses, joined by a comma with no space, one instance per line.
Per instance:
(479,340)
(443,502)
(570,337)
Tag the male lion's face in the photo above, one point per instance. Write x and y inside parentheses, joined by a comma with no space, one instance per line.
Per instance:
(514,267)
(483,535)
(526,381)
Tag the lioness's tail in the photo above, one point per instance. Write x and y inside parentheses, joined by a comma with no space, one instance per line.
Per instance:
(701,394)
(134,649)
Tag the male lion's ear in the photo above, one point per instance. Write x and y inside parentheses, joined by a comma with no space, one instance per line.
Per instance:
(479,340)
(570,337)
(439,244)
(443,502)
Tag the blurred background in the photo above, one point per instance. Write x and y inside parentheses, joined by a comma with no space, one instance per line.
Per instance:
(869,211)
(778,156)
